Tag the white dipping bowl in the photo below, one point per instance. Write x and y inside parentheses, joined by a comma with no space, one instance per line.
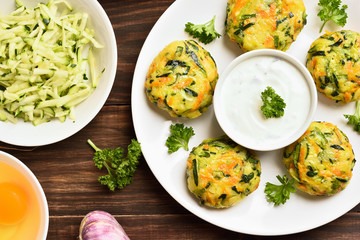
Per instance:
(24,133)
(35,185)
(237,99)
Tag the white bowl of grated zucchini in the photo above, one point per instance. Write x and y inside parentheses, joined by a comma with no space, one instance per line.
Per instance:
(265,99)
(58,62)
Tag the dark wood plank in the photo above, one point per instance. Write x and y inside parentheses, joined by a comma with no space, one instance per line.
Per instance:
(175,226)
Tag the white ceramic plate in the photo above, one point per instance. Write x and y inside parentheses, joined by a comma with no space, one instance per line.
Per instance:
(254,215)
(24,133)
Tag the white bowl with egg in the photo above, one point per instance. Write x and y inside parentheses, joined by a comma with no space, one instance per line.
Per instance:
(24,209)
(237,99)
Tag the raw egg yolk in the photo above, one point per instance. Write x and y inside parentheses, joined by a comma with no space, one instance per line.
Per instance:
(13,203)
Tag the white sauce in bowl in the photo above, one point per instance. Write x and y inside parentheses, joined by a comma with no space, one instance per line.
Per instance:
(238,101)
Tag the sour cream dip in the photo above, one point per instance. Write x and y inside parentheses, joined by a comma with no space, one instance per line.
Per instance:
(237,99)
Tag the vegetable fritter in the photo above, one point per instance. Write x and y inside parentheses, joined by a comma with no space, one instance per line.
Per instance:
(220,173)
(333,61)
(181,79)
(321,160)
(257,24)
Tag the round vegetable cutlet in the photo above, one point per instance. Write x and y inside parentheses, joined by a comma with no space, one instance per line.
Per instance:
(181,79)
(220,173)
(258,24)
(321,160)
(333,61)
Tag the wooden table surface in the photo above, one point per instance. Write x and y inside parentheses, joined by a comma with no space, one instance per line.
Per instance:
(144,209)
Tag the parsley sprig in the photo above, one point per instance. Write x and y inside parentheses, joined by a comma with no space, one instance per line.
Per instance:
(354,119)
(206,32)
(120,169)
(179,137)
(331,10)
(273,105)
(279,194)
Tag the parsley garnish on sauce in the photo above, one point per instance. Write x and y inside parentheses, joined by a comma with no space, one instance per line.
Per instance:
(273,105)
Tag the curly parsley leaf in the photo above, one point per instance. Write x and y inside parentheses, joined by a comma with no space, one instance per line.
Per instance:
(120,169)
(179,137)
(331,10)
(273,104)
(206,32)
(355,118)
(279,194)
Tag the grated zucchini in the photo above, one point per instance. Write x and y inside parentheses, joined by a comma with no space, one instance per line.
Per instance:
(47,66)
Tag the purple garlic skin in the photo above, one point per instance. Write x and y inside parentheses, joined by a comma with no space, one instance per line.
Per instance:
(101,225)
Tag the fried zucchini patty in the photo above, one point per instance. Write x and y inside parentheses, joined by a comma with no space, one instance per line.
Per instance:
(333,61)
(321,160)
(257,24)
(220,173)
(181,79)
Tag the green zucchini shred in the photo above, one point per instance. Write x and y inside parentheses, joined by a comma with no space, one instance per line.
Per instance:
(296,154)
(195,172)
